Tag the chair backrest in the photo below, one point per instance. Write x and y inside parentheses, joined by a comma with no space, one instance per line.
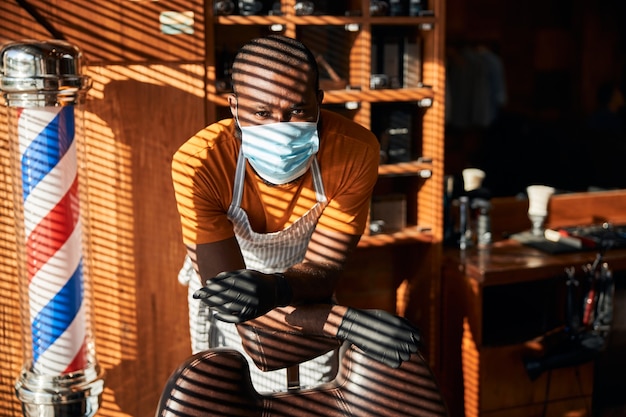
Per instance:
(216,382)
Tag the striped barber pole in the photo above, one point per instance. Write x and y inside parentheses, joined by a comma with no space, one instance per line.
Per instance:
(54,260)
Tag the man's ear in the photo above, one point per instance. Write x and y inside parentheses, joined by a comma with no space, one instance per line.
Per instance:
(232,102)
(320,97)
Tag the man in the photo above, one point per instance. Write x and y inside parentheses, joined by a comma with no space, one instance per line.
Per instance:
(272,202)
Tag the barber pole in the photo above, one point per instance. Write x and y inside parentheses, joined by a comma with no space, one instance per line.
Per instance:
(42,85)
(53,239)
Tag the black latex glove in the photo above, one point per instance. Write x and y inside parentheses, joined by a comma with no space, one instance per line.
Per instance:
(243,295)
(380,335)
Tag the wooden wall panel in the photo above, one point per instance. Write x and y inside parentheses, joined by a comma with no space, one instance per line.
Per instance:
(137,118)
(147,98)
(16,24)
(11,345)
(112,31)
(510,214)
(134,121)
(131,131)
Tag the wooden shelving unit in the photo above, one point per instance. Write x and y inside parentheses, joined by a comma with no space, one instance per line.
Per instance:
(347,42)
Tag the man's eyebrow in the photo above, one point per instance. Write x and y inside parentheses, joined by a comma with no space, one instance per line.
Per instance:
(303,103)
(259,105)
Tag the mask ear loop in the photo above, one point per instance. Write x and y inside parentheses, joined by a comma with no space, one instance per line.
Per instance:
(240,171)
(237,114)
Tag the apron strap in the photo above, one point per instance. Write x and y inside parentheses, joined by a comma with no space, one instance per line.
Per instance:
(293,377)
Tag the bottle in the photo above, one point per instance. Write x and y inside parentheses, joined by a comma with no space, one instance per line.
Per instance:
(224,7)
(465,237)
(483,223)
(416,7)
(397,8)
(448,222)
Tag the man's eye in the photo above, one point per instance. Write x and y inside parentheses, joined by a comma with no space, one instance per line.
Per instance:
(301,116)
(263,114)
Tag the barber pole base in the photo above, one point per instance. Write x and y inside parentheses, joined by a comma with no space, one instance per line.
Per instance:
(72,395)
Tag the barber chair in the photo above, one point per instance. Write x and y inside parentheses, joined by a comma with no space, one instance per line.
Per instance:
(216,382)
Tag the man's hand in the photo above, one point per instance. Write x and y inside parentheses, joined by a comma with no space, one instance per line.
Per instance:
(380,335)
(244,294)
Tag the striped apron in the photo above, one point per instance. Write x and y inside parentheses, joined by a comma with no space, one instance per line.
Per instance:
(267,253)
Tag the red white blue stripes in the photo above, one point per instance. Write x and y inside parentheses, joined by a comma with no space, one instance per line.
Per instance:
(53,239)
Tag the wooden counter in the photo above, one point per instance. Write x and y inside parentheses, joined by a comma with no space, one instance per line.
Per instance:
(509,262)
(496,304)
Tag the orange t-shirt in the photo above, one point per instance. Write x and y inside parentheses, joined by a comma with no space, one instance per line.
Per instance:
(203,173)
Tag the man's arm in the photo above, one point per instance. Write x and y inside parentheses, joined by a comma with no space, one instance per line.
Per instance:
(239,295)
(381,335)
(312,280)
(315,279)
(209,259)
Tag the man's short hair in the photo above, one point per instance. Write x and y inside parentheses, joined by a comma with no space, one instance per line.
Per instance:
(278,51)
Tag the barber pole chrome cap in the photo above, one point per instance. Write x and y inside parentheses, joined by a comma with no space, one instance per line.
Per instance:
(38,74)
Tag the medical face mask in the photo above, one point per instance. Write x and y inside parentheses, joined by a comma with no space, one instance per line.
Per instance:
(280,152)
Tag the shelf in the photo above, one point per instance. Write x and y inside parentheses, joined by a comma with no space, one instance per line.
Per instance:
(381,96)
(411,234)
(323,20)
(388,95)
(284,20)
(417,168)
(402,20)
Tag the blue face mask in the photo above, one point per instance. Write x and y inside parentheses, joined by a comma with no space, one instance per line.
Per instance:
(280,152)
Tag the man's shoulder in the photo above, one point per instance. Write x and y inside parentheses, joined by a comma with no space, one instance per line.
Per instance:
(210,139)
(335,124)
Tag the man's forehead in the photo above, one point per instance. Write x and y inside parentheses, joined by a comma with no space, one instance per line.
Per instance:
(277,52)
(271,78)
(252,64)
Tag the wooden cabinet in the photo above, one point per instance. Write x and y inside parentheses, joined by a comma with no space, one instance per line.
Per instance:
(509,298)
(506,304)
(386,73)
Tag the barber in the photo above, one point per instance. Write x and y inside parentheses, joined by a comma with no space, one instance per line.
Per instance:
(272,202)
